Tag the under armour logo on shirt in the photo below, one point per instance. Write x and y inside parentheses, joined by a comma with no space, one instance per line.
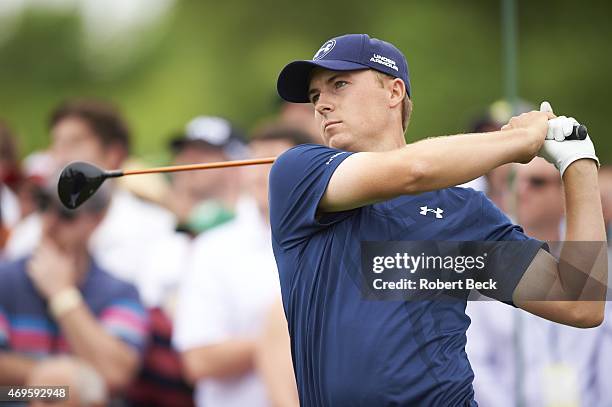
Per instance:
(334,156)
(438,212)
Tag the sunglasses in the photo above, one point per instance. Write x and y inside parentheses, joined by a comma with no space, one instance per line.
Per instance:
(541,182)
(46,204)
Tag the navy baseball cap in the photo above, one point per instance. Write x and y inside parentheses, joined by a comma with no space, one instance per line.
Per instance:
(345,53)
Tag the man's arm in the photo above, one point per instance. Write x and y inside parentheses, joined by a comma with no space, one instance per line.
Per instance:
(15,368)
(274,360)
(53,273)
(227,359)
(202,334)
(435,163)
(582,271)
(88,339)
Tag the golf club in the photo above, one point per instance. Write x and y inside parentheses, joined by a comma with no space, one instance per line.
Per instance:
(80,180)
(578,133)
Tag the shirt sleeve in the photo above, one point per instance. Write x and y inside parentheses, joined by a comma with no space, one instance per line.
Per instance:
(7,286)
(126,318)
(510,251)
(4,329)
(298,181)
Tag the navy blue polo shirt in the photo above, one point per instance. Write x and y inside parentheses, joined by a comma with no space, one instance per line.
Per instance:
(349,351)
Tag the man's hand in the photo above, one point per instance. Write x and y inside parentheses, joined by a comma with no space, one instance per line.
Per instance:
(536,126)
(50,270)
(560,127)
(562,153)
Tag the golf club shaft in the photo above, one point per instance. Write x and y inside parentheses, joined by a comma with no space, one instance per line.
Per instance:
(191,167)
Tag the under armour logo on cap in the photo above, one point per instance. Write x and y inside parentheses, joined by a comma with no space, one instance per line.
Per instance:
(325,49)
(438,212)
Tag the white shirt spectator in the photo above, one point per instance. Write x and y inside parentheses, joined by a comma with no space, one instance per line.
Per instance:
(521,359)
(120,244)
(231,284)
(165,264)
(168,261)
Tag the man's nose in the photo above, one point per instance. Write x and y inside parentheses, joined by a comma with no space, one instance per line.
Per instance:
(325,104)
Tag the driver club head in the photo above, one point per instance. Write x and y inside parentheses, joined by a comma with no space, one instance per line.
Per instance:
(79,181)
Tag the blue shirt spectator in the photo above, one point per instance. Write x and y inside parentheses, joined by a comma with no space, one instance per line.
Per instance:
(27,327)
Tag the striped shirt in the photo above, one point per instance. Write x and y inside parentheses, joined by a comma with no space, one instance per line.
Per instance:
(27,327)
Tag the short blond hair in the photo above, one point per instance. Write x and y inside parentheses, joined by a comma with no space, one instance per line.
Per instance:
(406,103)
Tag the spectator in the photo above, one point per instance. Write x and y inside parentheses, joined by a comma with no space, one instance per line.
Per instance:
(160,381)
(201,201)
(195,193)
(605,183)
(496,183)
(9,178)
(518,358)
(86,130)
(37,167)
(59,300)
(153,188)
(231,285)
(299,116)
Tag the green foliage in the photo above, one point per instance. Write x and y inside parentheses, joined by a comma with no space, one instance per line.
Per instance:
(222,58)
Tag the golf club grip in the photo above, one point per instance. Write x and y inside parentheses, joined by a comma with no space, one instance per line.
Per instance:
(578,133)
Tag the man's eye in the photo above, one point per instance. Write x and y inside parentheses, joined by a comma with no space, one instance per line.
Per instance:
(314,99)
(339,84)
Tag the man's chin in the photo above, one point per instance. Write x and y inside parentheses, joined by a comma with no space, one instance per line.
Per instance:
(340,141)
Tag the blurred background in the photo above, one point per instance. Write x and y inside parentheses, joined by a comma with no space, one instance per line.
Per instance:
(165,61)
(166,319)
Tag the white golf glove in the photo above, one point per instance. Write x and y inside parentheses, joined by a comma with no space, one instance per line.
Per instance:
(562,153)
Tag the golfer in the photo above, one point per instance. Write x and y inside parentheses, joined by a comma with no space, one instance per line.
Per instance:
(366,184)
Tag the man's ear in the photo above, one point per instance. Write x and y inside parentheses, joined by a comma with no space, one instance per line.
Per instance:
(398,92)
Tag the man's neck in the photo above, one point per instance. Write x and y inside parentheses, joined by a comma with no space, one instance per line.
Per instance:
(393,141)
(228,196)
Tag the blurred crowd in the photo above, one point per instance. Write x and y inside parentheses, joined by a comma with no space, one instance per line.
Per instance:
(163,290)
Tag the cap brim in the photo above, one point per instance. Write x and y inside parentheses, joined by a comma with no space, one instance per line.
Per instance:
(294,79)
(180,142)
